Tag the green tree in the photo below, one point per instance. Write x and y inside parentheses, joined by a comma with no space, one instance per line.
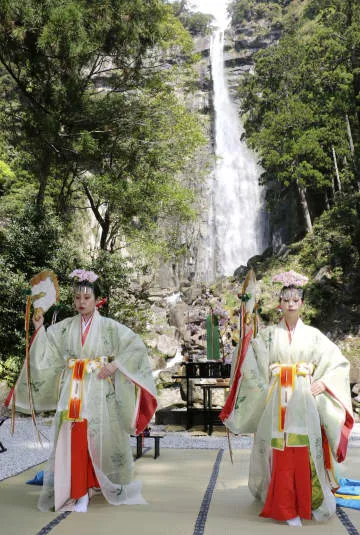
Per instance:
(296,106)
(29,243)
(136,163)
(195,22)
(75,75)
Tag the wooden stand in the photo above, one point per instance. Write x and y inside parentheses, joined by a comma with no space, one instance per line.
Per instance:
(139,443)
(203,370)
(209,412)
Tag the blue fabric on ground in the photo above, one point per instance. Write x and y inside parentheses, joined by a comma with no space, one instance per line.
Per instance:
(38,479)
(349,487)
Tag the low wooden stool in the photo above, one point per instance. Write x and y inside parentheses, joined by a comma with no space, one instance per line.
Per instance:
(139,443)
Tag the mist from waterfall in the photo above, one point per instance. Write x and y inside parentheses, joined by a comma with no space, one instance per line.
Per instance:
(237,218)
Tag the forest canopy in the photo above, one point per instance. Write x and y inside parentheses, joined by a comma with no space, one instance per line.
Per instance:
(93,138)
(300,105)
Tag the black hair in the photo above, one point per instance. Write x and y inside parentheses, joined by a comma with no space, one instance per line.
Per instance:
(96,286)
(292,287)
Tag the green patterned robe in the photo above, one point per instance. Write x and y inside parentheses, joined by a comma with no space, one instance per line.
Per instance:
(257,405)
(112,410)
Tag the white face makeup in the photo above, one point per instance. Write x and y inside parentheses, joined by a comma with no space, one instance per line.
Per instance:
(291,302)
(84,300)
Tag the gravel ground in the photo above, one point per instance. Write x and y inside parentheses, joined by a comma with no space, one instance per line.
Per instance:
(24,450)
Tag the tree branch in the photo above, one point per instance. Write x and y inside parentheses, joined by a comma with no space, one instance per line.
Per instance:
(94,208)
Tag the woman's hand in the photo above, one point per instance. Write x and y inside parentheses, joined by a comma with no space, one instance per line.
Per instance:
(317,387)
(107,370)
(38,321)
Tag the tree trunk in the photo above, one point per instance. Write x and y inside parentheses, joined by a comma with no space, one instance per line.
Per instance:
(305,207)
(44,172)
(352,149)
(182,6)
(327,203)
(336,169)
(103,220)
(105,229)
(348,128)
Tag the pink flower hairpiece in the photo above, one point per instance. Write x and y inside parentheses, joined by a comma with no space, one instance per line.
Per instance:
(288,278)
(81,275)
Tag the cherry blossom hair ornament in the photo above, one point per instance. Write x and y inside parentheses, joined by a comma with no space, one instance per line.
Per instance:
(291,278)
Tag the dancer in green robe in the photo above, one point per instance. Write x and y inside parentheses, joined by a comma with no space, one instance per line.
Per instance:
(91,368)
(292,390)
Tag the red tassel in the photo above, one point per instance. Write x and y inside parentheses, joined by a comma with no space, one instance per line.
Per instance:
(101,303)
(9,396)
(74,409)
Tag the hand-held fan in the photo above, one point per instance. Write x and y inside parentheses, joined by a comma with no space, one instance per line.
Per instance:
(44,292)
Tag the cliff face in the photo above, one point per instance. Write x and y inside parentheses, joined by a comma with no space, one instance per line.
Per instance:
(339,321)
(241,44)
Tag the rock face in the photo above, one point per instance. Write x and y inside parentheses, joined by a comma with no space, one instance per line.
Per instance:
(176,332)
(241,43)
(167,345)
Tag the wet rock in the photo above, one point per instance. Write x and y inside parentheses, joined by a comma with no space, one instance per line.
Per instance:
(157,362)
(167,345)
(178,318)
(168,397)
(241,272)
(191,293)
(323,274)
(165,377)
(198,339)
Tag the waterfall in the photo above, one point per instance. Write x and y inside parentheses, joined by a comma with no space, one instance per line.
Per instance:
(236,222)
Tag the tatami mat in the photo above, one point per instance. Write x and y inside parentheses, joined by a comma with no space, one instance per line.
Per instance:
(233,509)
(190,492)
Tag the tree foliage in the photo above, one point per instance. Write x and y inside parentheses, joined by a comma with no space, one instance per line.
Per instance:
(195,22)
(85,86)
(94,134)
(242,11)
(301,105)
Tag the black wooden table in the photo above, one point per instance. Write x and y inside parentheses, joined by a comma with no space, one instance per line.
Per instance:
(140,442)
(196,371)
(209,411)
